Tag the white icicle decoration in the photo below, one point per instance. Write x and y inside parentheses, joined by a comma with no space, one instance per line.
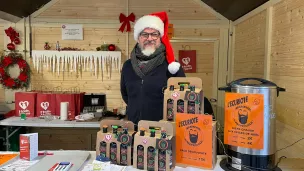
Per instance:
(106,60)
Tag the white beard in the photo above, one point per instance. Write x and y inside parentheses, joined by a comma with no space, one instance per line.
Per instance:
(148,51)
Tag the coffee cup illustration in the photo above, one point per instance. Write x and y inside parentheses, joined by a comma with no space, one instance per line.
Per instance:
(193,136)
(243,116)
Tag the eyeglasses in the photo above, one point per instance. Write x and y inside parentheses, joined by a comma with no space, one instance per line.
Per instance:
(154,35)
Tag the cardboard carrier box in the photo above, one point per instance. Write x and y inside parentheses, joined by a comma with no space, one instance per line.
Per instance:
(114,141)
(154,146)
(183,95)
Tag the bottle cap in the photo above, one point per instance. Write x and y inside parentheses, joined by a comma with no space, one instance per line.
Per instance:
(142,132)
(171,87)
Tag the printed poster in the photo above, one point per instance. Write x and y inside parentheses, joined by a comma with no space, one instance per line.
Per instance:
(194,140)
(72,32)
(244,118)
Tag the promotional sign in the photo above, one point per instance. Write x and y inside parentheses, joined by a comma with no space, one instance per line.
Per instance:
(72,32)
(28,146)
(244,118)
(187,59)
(194,140)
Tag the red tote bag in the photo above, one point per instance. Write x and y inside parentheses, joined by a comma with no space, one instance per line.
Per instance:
(71,99)
(25,102)
(45,104)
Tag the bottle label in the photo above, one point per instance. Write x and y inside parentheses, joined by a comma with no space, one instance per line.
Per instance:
(162,161)
(124,155)
(151,159)
(103,149)
(170,113)
(180,106)
(140,159)
(113,154)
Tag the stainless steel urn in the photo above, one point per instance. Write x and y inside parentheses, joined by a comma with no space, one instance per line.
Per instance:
(255,159)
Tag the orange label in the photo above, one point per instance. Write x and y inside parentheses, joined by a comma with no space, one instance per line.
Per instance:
(194,140)
(6,157)
(244,118)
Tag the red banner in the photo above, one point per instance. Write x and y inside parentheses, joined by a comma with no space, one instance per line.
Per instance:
(187,58)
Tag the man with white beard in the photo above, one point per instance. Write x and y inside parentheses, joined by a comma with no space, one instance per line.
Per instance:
(151,64)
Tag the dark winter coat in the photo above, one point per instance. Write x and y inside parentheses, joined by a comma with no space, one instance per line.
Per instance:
(144,97)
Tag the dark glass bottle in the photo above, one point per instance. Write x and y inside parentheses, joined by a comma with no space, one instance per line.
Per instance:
(124,150)
(113,152)
(151,158)
(140,157)
(103,149)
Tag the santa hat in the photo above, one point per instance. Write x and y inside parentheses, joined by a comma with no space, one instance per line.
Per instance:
(160,22)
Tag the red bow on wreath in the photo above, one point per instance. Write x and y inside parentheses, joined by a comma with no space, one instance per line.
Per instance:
(14,36)
(126,21)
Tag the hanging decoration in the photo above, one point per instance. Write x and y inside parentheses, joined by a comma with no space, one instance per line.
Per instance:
(126,22)
(58,61)
(106,47)
(14,37)
(23,80)
(47,46)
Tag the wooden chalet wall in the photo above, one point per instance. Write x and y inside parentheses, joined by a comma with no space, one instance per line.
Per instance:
(268,43)
(2,34)
(94,14)
(250,47)
(196,26)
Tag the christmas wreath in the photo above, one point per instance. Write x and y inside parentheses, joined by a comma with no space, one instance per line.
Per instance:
(23,80)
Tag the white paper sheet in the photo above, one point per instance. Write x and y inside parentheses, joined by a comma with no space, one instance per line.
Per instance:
(18,165)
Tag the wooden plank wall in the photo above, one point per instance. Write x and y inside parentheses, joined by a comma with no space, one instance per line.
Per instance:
(287,60)
(95,36)
(286,67)
(250,47)
(2,34)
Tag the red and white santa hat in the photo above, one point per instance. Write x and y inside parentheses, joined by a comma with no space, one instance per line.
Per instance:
(160,22)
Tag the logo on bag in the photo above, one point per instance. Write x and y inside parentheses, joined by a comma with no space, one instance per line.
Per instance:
(187,65)
(24,104)
(45,105)
(186,60)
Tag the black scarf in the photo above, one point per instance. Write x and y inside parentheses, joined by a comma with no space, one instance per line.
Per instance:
(143,64)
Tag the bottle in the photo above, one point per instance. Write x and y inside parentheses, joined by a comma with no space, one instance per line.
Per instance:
(152,133)
(151,158)
(140,157)
(180,106)
(191,100)
(142,132)
(170,113)
(181,88)
(115,129)
(57,46)
(162,155)
(113,152)
(124,150)
(123,154)
(103,149)
(171,88)
(105,129)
